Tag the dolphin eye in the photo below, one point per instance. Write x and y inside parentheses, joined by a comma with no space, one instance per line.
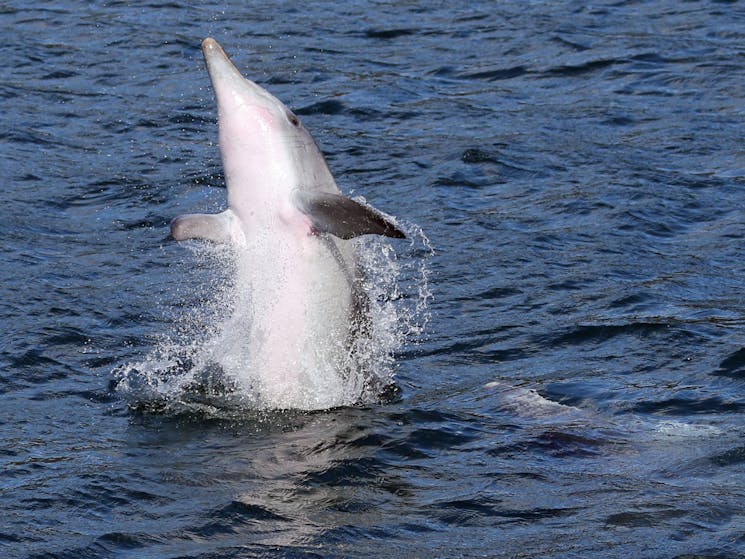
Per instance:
(293,119)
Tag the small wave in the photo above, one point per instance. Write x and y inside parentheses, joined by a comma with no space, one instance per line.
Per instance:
(496,74)
(389,33)
(526,402)
(329,107)
(571,70)
(684,429)
(733,365)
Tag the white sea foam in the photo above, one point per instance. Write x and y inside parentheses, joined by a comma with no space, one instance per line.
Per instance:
(215,358)
(526,402)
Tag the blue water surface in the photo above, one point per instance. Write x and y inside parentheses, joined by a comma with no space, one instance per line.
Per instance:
(579,171)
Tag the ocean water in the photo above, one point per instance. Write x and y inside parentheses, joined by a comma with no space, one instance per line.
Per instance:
(567,317)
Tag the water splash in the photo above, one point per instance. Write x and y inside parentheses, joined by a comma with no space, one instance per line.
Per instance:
(215,362)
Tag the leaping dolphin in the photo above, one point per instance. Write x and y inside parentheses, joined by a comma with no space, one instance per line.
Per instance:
(292,223)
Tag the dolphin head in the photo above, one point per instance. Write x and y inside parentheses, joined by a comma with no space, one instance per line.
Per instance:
(277,178)
(266,151)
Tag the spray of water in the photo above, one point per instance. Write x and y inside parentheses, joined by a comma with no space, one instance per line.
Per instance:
(216,359)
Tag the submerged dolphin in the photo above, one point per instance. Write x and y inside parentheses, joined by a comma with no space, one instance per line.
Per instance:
(292,226)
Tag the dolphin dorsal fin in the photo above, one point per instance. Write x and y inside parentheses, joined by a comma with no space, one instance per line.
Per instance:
(343,217)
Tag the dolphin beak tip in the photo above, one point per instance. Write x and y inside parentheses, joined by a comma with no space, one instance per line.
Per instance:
(209,43)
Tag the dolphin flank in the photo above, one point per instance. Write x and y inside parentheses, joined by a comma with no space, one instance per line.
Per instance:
(292,228)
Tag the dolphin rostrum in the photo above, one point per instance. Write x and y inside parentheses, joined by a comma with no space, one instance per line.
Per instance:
(292,227)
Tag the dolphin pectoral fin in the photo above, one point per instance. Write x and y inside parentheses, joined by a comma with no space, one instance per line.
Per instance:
(343,217)
(212,227)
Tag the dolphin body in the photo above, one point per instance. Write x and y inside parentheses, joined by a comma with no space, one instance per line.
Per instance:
(291,227)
